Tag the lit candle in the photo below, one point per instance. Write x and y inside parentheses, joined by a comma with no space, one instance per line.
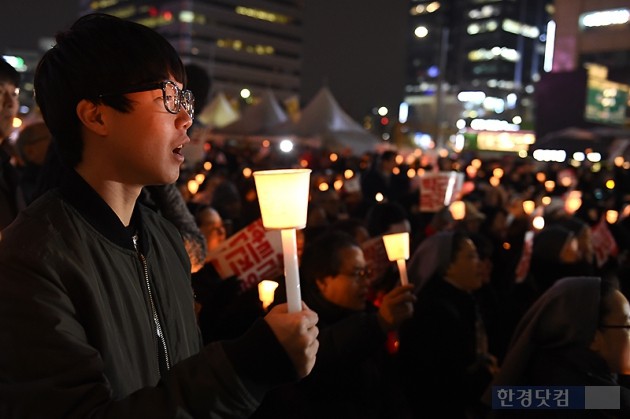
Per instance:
(528,206)
(283,199)
(573,202)
(612,216)
(266,290)
(458,210)
(397,248)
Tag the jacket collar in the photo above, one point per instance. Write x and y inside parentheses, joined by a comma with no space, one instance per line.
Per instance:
(78,193)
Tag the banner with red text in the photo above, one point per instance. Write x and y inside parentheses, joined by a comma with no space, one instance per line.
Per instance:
(375,256)
(252,254)
(522,269)
(604,244)
(439,189)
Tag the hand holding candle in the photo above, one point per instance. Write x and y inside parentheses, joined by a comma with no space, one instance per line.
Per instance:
(283,199)
(397,247)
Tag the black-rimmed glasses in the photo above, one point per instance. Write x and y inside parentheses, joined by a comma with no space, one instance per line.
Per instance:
(174,98)
(615,326)
(364,273)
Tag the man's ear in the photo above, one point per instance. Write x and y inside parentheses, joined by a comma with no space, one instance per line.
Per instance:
(91,116)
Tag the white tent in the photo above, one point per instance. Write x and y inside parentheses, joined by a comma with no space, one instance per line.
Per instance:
(323,118)
(258,119)
(218,113)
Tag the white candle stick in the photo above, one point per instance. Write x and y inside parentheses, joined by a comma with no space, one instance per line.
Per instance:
(402,268)
(291,271)
(283,199)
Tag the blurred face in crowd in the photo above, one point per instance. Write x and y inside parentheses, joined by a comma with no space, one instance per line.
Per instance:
(499,227)
(33,143)
(570,252)
(612,339)
(349,288)
(8,107)
(585,244)
(485,270)
(464,271)
(211,225)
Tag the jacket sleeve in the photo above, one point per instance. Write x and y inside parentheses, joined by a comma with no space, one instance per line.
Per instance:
(49,366)
(354,334)
(172,206)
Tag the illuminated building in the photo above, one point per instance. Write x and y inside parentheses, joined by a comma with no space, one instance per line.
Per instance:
(592,31)
(242,44)
(586,92)
(492,51)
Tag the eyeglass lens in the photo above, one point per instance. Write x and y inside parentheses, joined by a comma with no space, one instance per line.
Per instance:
(174,98)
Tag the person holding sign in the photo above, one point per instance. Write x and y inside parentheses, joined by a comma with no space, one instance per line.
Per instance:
(353,376)
(225,310)
(97,307)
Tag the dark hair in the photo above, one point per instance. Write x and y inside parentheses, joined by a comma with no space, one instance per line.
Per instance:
(198,83)
(388,155)
(8,73)
(483,245)
(459,238)
(99,54)
(382,215)
(548,244)
(322,256)
(350,226)
(200,211)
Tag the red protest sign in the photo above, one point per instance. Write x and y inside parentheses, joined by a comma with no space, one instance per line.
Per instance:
(252,254)
(439,189)
(375,256)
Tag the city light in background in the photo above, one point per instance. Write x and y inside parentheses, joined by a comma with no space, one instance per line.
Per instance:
(468,90)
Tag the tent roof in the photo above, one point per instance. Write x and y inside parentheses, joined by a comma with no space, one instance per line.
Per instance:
(258,119)
(323,114)
(218,113)
(324,118)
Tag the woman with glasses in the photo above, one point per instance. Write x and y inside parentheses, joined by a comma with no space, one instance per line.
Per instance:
(576,334)
(353,375)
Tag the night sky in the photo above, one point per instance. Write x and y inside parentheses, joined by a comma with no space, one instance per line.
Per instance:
(25,21)
(356,47)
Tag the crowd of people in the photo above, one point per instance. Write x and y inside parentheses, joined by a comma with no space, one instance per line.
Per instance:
(111,305)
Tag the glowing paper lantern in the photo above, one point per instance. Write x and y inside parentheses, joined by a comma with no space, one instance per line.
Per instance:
(528,206)
(458,210)
(612,216)
(283,199)
(397,248)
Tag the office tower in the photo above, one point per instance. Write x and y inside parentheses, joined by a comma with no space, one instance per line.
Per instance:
(243,44)
(588,84)
(473,60)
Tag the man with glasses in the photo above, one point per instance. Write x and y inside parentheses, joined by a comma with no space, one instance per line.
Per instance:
(353,376)
(9,91)
(96,301)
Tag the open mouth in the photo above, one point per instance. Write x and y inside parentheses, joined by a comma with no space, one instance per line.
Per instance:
(178,150)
